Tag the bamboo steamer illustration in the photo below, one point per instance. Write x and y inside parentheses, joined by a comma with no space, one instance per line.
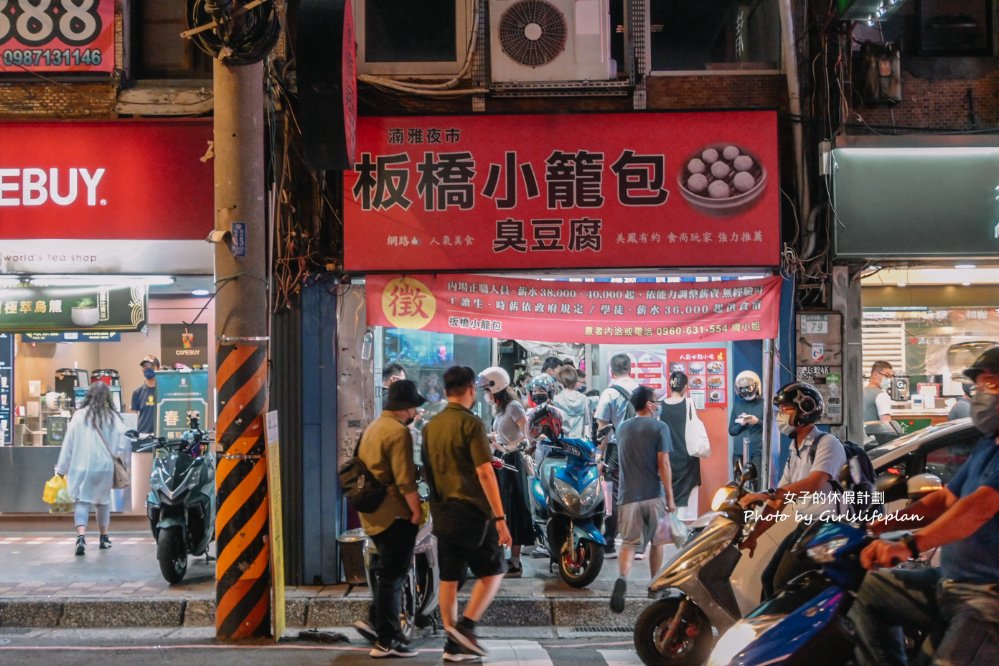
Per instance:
(722,179)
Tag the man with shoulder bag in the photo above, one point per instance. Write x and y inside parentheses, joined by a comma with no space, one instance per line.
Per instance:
(467,512)
(386,449)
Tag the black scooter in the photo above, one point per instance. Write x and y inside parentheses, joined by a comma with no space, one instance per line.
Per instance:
(181,501)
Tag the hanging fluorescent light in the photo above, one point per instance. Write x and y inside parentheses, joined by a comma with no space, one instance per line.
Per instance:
(83,280)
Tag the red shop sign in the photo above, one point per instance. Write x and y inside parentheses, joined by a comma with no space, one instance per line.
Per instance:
(56,36)
(563,191)
(106,180)
(495,307)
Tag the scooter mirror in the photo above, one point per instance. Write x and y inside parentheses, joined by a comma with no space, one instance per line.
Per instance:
(749,474)
(892,486)
(921,485)
(737,469)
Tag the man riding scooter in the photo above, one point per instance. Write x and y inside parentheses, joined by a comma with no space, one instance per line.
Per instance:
(961,595)
(799,407)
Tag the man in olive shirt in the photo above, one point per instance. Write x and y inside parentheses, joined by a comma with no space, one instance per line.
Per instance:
(386,448)
(457,451)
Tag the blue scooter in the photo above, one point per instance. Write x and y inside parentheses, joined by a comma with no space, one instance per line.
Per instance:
(569,510)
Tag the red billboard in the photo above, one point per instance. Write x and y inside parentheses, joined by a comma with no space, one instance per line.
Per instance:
(563,191)
(56,36)
(106,180)
(557,311)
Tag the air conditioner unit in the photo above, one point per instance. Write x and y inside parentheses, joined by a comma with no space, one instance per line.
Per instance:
(549,40)
(409,38)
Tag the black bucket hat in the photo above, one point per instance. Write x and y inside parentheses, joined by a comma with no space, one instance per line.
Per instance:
(403,395)
(987,362)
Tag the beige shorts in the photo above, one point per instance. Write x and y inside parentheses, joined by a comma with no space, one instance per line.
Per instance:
(638,522)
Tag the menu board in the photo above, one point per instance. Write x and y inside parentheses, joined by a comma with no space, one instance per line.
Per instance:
(6,386)
(707,373)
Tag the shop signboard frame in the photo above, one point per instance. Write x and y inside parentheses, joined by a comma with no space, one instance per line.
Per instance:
(819,356)
(92,197)
(501,307)
(64,36)
(562,191)
(35,309)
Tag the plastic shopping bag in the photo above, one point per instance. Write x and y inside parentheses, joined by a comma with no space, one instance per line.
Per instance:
(52,488)
(671,528)
(63,503)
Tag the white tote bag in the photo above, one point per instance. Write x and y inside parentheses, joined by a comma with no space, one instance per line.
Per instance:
(695,434)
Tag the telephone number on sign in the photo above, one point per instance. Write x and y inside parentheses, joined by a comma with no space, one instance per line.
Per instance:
(51,57)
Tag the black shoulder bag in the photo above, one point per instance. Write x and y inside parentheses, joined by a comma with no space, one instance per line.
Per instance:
(363,491)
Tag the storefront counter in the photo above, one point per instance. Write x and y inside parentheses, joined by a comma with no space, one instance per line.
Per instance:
(25,469)
(917,419)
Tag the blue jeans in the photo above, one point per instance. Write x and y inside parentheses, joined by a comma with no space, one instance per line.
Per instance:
(966,613)
(81,514)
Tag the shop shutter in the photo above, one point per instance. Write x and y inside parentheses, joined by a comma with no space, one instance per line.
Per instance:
(883,341)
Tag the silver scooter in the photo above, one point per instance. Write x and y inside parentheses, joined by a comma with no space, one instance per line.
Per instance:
(694,591)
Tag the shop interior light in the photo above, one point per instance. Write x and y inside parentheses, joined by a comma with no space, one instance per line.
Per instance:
(84,280)
(902,284)
(964,267)
(965,284)
(201,292)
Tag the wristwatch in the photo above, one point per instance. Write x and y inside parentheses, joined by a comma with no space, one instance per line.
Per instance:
(499,518)
(909,540)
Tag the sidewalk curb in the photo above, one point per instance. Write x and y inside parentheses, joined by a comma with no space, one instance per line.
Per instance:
(325,611)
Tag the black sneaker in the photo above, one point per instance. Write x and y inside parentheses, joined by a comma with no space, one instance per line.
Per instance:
(105,542)
(393,649)
(514,570)
(81,545)
(617,596)
(454,652)
(366,630)
(465,637)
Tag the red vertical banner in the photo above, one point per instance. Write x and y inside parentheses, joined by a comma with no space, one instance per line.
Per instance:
(707,373)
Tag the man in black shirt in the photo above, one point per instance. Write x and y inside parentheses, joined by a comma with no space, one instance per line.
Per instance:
(144,397)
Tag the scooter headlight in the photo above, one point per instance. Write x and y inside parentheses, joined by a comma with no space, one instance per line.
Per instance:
(591,494)
(728,491)
(826,552)
(568,495)
(735,640)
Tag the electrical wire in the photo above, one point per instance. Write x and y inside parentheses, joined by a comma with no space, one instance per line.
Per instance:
(240,37)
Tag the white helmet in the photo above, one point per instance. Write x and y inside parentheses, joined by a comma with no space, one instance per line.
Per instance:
(747,385)
(494,379)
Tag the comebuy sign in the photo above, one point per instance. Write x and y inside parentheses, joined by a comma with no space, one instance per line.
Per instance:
(549,191)
(496,307)
(106,180)
(106,197)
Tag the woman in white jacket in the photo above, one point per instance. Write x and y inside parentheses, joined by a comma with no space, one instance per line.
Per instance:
(94,435)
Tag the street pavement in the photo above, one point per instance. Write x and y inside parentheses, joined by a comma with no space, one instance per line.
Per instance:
(539,647)
(43,584)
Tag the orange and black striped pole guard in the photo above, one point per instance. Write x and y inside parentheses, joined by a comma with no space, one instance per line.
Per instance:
(242,571)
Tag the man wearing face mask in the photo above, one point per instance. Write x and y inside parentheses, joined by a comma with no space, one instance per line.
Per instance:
(144,397)
(386,448)
(877,402)
(962,519)
(746,424)
(799,407)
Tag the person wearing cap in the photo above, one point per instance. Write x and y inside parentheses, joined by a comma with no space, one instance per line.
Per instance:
(746,422)
(962,519)
(144,397)
(386,447)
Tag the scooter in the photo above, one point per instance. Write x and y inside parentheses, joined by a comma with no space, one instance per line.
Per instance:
(569,510)
(806,622)
(708,584)
(181,501)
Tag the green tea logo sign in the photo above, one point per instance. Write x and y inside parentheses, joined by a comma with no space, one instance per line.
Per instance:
(31,309)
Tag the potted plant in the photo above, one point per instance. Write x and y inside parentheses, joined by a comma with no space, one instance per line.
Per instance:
(85,312)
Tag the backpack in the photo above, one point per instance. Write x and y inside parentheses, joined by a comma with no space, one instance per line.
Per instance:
(860,480)
(363,491)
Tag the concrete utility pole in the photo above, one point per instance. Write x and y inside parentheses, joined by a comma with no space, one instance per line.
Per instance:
(243,605)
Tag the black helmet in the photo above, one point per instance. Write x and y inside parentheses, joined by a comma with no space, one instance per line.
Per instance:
(806,400)
(987,362)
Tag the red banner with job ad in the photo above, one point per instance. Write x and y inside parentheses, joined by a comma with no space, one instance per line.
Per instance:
(497,307)
(603,190)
